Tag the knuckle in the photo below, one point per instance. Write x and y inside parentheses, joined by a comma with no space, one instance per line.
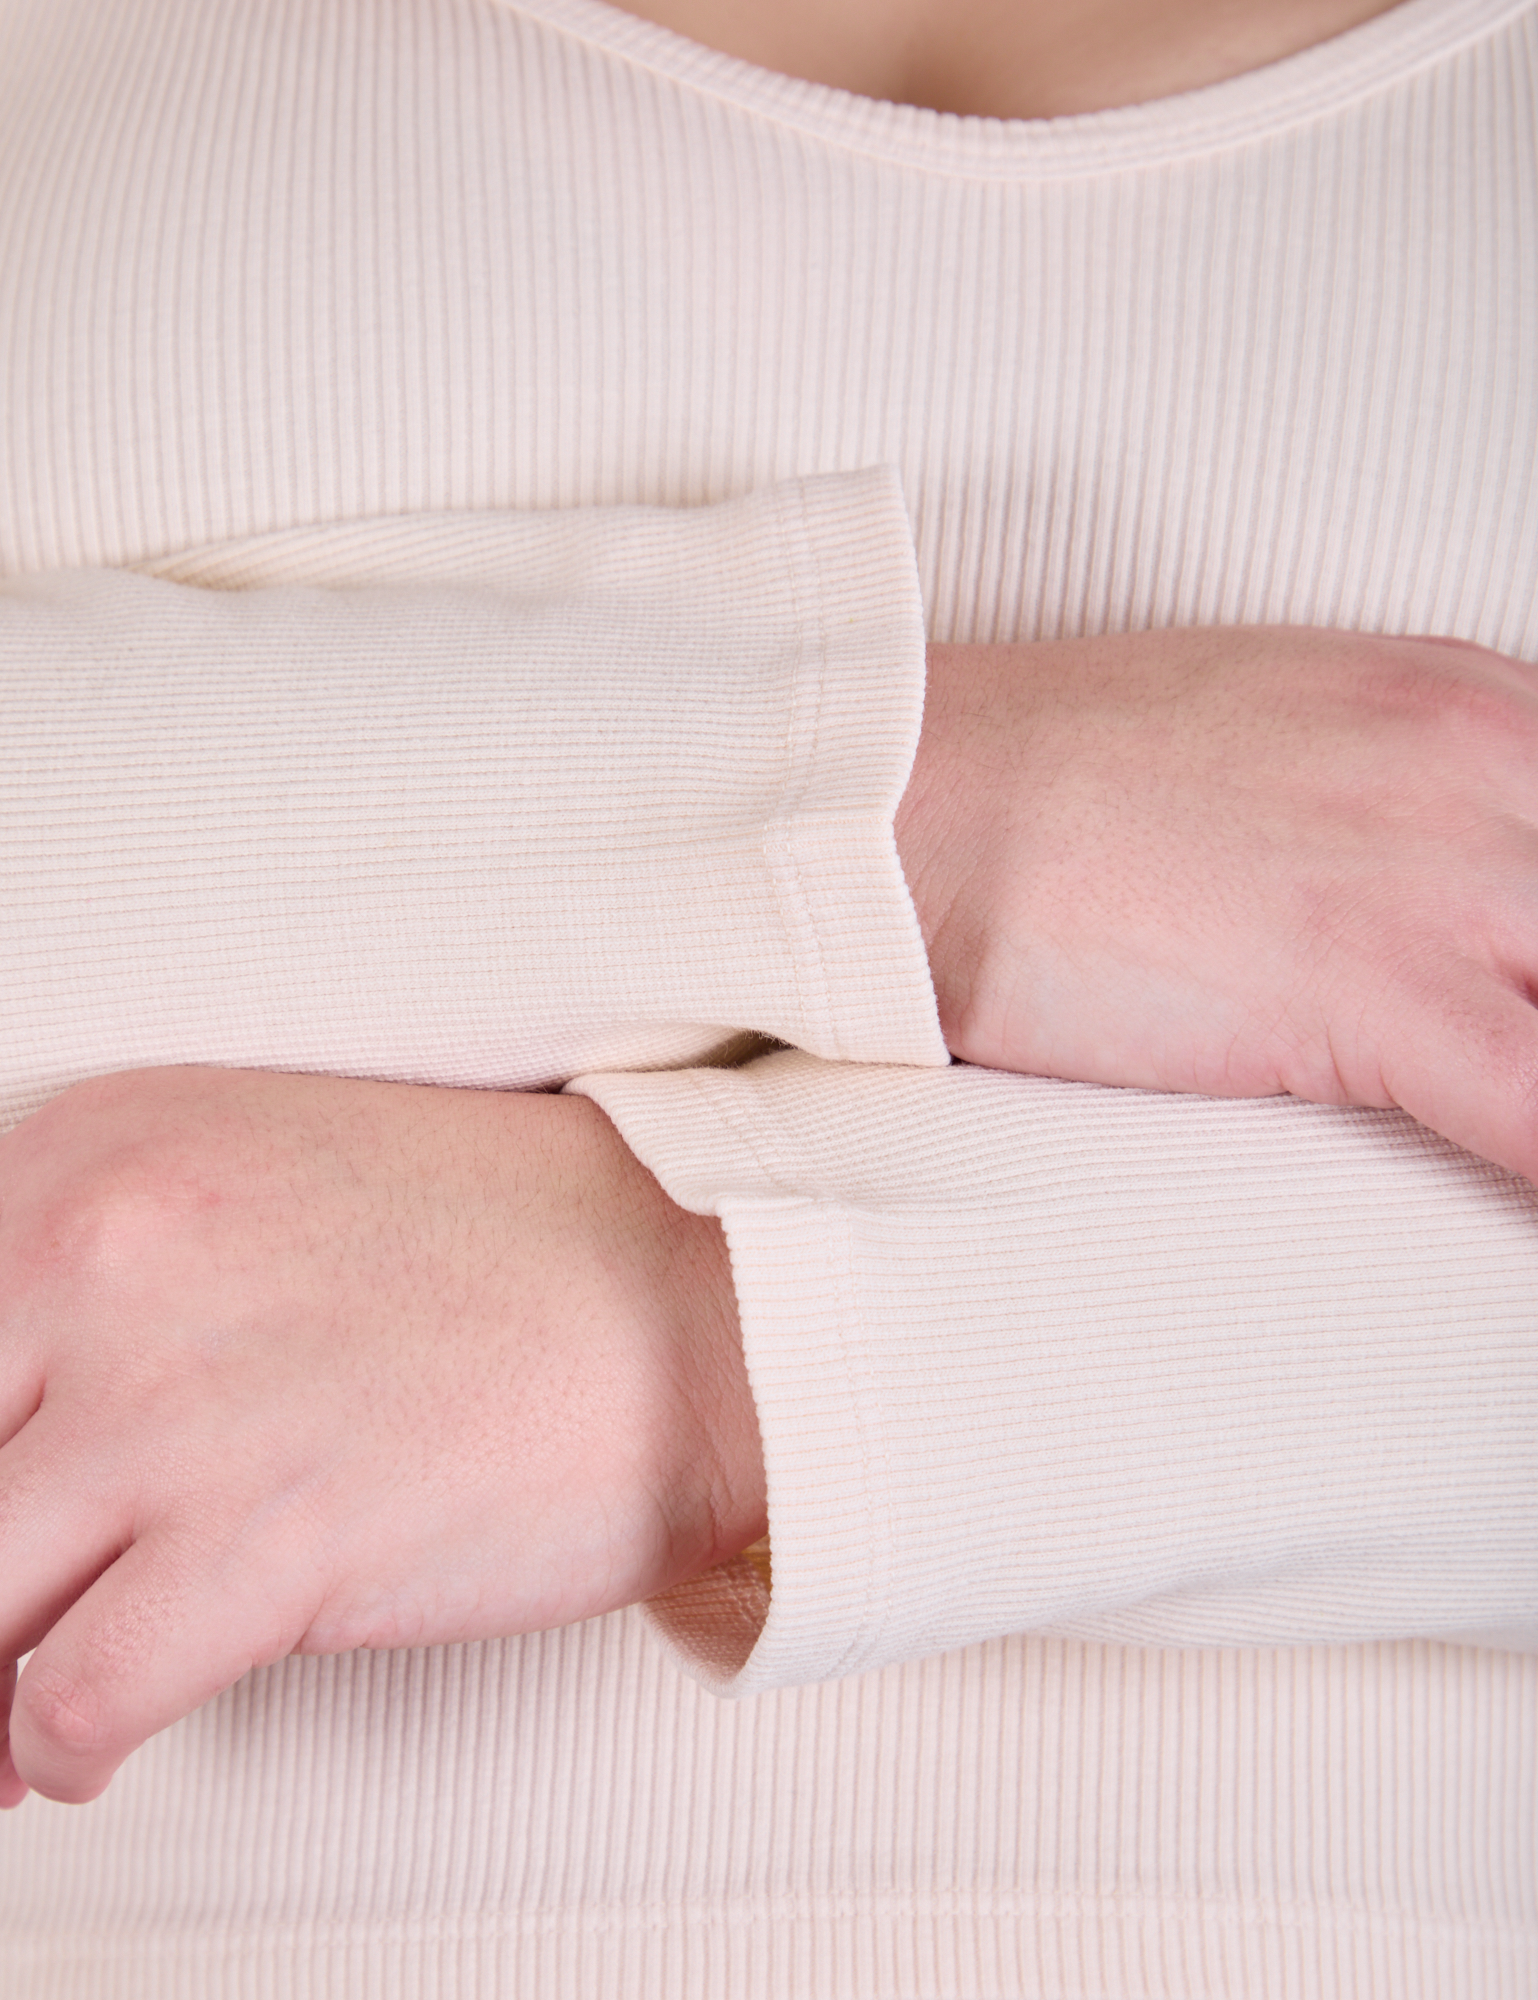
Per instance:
(1452,688)
(113,1206)
(104,1224)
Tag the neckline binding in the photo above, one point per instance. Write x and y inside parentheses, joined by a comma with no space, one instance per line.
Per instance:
(1298,89)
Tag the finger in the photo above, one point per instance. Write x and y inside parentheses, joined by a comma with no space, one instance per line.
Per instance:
(12,1789)
(65,1514)
(21,1386)
(162,1631)
(1467,1066)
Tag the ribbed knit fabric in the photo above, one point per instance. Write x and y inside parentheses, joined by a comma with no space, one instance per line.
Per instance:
(1169,1373)
(1156,1368)
(567,1815)
(412,828)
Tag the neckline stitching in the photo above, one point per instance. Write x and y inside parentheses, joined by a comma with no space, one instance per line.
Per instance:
(1384,52)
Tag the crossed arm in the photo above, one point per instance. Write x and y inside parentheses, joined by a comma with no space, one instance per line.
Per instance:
(295,1363)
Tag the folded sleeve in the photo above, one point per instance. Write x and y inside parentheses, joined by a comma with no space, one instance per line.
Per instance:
(479,799)
(1032,1355)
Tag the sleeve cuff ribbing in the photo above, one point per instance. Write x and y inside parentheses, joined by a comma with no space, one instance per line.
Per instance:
(773,648)
(1164,1370)
(475,799)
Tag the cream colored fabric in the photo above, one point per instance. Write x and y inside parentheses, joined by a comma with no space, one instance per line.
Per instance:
(415,827)
(1150,1368)
(1178,1373)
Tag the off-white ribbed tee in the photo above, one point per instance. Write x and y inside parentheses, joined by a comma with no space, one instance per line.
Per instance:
(474,481)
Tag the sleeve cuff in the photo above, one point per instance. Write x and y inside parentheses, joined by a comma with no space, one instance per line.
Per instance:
(772,648)
(477,799)
(1034,1356)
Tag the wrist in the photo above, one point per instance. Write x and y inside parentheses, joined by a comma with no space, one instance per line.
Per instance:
(941,828)
(698,1435)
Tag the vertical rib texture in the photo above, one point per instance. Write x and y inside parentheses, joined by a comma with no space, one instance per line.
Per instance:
(1256,354)
(413,827)
(566,1816)
(272,268)
(1033,1355)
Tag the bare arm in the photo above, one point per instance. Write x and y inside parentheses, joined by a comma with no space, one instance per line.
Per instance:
(1240,861)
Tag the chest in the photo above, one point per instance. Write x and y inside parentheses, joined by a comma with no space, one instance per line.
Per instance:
(446,258)
(1011,58)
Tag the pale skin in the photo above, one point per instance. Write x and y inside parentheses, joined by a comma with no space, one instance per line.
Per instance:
(1240,862)
(297,1364)
(1010,58)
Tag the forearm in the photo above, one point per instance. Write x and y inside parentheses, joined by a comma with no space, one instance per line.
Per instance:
(1150,1366)
(473,799)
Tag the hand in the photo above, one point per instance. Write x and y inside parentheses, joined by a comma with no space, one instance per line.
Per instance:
(1240,861)
(289,1364)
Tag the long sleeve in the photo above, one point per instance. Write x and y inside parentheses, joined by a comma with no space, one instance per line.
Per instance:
(468,799)
(1038,1356)
(1157,1371)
